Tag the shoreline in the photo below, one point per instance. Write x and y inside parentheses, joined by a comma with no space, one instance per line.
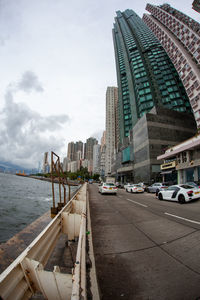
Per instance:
(56,179)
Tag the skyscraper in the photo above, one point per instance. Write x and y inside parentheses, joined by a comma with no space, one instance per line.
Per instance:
(103,139)
(196,5)
(46,166)
(103,155)
(78,149)
(180,36)
(111,126)
(145,74)
(96,159)
(75,151)
(90,142)
(71,151)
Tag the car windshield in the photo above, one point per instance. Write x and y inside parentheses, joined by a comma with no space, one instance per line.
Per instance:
(110,184)
(172,188)
(137,185)
(191,183)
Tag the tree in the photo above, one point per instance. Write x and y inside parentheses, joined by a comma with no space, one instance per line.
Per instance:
(96,177)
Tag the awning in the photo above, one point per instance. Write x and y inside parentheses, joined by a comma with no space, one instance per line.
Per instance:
(166,172)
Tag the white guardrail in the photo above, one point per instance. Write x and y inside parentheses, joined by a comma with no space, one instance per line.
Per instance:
(26,275)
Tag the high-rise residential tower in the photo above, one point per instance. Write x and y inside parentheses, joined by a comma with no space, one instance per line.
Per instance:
(79,149)
(145,74)
(96,159)
(103,155)
(71,151)
(75,151)
(180,36)
(196,5)
(103,139)
(46,166)
(90,142)
(111,126)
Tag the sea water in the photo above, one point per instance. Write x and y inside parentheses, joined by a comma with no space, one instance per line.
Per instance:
(22,201)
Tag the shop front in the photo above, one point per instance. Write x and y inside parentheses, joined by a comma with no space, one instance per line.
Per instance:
(168,172)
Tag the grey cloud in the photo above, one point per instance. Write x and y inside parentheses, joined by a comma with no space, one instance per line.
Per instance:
(30,83)
(25,135)
(3,40)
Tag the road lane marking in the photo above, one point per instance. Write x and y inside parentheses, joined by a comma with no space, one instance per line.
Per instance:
(137,203)
(188,220)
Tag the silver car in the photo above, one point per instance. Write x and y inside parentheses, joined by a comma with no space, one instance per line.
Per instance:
(156,187)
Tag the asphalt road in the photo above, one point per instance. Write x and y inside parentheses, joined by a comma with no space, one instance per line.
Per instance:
(145,248)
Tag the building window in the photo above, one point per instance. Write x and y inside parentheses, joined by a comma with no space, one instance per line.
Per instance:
(141,92)
(148,97)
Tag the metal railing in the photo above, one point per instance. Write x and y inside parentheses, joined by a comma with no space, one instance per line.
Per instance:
(26,275)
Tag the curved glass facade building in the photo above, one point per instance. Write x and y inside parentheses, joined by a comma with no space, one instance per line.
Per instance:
(145,74)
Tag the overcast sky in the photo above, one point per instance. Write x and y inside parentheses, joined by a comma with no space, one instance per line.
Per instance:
(56,61)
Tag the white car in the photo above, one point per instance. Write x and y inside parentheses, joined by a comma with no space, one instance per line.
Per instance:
(135,188)
(108,188)
(180,192)
(127,185)
(142,184)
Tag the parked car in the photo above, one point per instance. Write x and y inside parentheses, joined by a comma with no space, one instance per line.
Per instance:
(135,188)
(143,185)
(156,187)
(128,187)
(180,192)
(193,184)
(108,188)
(120,185)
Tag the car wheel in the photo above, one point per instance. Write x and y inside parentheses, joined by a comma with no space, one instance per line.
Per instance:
(148,191)
(181,199)
(160,197)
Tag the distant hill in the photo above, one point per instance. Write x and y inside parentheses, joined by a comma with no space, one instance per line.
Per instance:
(7,167)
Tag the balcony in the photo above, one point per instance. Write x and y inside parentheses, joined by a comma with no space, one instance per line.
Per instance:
(186,84)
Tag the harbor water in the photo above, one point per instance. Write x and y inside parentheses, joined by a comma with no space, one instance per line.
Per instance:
(22,201)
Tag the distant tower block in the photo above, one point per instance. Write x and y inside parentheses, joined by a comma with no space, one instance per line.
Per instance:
(46,167)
